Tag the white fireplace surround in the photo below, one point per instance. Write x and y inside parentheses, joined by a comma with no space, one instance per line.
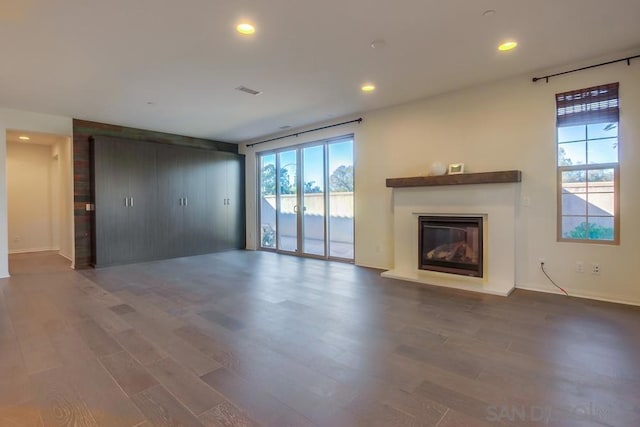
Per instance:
(496,203)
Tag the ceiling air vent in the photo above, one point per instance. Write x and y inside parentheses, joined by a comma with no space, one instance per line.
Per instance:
(248,90)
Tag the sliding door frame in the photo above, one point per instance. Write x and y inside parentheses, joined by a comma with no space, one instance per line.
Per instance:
(325,143)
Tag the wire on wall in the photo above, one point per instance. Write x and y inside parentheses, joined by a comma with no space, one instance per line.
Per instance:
(551,280)
(359,120)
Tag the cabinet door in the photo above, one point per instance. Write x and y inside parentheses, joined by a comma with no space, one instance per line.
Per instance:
(195,207)
(235,236)
(143,190)
(215,213)
(111,187)
(217,195)
(170,207)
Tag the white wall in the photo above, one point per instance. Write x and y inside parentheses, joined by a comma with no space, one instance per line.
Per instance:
(505,125)
(14,119)
(31,192)
(62,201)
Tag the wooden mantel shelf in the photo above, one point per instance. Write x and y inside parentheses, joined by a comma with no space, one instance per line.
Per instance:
(460,179)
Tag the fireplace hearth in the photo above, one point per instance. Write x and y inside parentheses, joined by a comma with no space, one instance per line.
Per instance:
(451,244)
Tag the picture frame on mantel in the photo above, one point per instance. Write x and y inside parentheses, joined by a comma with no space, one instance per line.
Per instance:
(456,168)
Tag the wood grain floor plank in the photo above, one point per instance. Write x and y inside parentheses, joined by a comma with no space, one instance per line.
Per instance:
(128,373)
(162,409)
(96,338)
(225,414)
(23,415)
(38,352)
(255,401)
(141,349)
(108,403)
(161,335)
(122,309)
(454,399)
(59,402)
(69,345)
(195,394)
(291,341)
(223,320)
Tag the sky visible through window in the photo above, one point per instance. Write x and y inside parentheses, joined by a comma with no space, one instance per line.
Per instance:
(340,154)
(602,146)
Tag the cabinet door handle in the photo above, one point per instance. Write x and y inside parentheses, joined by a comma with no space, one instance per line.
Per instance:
(180,201)
(131,202)
(186,201)
(126,202)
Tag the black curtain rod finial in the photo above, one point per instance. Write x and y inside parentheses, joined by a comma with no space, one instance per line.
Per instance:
(547,77)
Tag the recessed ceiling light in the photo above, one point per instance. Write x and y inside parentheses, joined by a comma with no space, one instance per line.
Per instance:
(507,46)
(368,87)
(245,28)
(24,138)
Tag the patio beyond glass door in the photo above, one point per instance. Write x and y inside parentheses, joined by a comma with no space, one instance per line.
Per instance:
(287,201)
(341,227)
(306,200)
(313,201)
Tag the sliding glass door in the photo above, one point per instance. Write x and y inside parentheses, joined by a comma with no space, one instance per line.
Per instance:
(341,229)
(306,199)
(287,201)
(313,201)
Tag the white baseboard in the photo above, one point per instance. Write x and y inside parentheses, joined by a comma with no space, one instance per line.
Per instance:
(65,256)
(26,251)
(375,267)
(580,295)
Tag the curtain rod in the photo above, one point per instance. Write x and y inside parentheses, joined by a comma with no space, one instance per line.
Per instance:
(627,59)
(359,120)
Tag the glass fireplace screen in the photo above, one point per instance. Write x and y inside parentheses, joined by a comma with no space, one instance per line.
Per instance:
(451,245)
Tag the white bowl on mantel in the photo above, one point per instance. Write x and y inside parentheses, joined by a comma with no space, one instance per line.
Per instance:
(437,169)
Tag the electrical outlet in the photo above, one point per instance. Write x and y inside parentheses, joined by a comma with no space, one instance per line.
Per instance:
(579,267)
(595,268)
(541,260)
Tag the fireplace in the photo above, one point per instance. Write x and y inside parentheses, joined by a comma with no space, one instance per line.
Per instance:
(451,244)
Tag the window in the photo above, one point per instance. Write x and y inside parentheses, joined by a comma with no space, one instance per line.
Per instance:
(588,170)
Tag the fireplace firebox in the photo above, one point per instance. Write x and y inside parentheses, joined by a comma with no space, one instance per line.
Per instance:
(451,244)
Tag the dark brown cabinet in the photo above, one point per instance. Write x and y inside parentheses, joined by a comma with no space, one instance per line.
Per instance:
(156,201)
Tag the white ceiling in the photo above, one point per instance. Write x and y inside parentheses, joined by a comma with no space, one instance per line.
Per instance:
(104,60)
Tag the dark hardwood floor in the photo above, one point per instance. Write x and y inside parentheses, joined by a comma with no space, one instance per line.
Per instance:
(258,339)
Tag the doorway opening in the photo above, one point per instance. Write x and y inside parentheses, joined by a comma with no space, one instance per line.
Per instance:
(39,199)
(306,204)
